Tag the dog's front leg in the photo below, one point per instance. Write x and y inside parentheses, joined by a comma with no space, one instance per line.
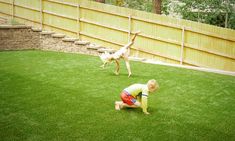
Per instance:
(103,66)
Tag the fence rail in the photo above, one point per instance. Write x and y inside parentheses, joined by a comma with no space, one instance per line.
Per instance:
(162,38)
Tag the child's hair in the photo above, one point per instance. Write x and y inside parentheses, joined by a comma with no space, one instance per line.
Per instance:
(152,84)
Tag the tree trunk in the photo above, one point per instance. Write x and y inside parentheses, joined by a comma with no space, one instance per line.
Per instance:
(157,6)
(119,2)
(101,1)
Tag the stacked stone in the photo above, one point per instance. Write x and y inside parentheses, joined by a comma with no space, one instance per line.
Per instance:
(24,37)
(18,38)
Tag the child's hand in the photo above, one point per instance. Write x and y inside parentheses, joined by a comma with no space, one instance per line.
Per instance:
(146,113)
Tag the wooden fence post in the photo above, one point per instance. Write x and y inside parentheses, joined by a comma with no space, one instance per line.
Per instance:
(41,14)
(13,6)
(182,47)
(78,21)
(129,28)
(129,33)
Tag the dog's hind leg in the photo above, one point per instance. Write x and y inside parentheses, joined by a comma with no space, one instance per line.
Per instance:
(117,67)
(128,67)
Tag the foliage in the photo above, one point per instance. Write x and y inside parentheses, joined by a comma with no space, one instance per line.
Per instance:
(209,11)
(232,20)
(65,97)
(144,5)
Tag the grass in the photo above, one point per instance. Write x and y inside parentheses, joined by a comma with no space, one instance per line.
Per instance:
(57,96)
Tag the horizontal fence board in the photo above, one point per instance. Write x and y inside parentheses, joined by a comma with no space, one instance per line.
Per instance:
(63,2)
(5,16)
(28,3)
(58,15)
(6,1)
(213,31)
(102,25)
(59,30)
(104,43)
(59,9)
(208,60)
(30,14)
(156,56)
(104,18)
(61,22)
(6,8)
(208,50)
(204,42)
(105,33)
(161,47)
(26,7)
(157,30)
(101,39)
(28,22)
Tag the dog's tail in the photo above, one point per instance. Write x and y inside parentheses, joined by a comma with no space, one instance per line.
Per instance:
(132,40)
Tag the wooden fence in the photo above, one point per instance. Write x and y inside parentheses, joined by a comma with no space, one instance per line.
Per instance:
(162,38)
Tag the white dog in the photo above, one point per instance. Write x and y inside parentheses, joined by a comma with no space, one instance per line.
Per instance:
(123,52)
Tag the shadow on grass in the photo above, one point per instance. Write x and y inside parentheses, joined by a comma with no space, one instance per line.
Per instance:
(123,75)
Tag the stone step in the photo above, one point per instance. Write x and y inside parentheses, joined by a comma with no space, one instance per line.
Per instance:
(109,50)
(47,32)
(81,42)
(58,35)
(68,39)
(94,47)
(36,29)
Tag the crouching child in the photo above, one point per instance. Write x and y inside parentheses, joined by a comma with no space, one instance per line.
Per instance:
(136,95)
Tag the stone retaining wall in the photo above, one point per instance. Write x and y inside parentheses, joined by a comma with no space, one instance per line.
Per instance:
(20,37)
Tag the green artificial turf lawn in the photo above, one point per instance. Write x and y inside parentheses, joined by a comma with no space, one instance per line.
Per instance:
(52,96)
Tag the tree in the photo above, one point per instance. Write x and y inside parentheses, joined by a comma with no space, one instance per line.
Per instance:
(101,1)
(157,6)
(215,12)
(119,2)
(143,5)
